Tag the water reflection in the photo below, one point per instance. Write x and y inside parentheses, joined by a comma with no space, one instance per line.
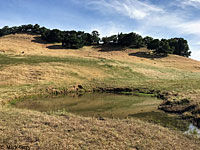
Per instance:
(193,130)
(105,105)
(95,104)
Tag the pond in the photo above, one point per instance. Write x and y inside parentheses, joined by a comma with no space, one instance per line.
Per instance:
(107,105)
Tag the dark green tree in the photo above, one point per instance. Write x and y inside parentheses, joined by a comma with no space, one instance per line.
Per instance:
(163,47)
(147,40)
(154,44)
(95,37)
(180,46)
(105,40)
(73,39)
(87,38)
(5,31)
(29,28)
(53,36)
(132,40)
(110,40)
(36,29)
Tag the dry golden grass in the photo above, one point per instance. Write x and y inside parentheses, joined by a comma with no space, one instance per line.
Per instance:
(67,131)
(45,73)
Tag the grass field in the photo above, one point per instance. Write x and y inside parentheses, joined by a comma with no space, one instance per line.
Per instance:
(29,66)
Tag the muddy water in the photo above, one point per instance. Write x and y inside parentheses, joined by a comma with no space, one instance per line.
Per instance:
(96,104)
(104,105)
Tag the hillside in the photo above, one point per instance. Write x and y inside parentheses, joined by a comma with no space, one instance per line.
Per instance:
(30,66)
(26,60)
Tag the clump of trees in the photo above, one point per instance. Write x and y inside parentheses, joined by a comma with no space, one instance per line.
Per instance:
(69,39)
(73,39)
(111,39)
(52,36)
(177,46)
(131,40)
(35,29)
(77,39)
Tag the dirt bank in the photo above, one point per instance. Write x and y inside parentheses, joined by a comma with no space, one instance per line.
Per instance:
(186,105)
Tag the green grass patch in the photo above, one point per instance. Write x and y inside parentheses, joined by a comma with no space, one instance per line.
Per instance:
(31,60)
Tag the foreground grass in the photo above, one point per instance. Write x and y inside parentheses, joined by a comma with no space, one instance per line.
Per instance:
(66,131)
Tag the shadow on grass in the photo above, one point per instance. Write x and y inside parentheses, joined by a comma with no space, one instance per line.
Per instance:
(39,40)
(55,47)
(109,48)
(148,55)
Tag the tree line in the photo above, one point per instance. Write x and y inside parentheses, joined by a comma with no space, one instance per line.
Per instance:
(177,46)
(77,39)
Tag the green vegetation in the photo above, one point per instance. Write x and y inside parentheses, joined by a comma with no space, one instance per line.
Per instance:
(178,46)
(13,60)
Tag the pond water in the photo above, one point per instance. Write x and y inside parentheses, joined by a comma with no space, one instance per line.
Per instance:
(193,130)
(109,105)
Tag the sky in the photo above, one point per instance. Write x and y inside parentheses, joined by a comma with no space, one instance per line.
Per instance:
(156,18)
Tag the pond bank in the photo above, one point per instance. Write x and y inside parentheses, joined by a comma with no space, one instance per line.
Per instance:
(185,106)
(172,103)
(120,105)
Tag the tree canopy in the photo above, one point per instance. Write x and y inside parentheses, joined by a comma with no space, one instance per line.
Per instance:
(177,46)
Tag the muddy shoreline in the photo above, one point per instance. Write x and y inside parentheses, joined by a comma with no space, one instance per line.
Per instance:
(186,108)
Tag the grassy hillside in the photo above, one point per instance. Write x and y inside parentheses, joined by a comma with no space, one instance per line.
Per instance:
(29,66)
(27,62)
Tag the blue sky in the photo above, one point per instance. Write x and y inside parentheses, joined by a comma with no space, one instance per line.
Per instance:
(157,18)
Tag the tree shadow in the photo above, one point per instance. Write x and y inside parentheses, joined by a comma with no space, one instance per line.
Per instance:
(39,40)
(109,48)
(55,47)
(148,55)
